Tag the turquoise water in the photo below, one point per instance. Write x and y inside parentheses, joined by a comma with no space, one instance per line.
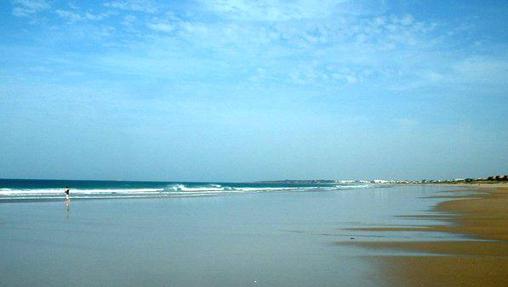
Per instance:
(268,238)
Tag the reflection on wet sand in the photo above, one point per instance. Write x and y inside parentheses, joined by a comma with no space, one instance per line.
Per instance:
(481,259)
(67,203)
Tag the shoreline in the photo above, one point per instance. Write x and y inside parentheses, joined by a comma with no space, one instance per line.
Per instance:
(479,260)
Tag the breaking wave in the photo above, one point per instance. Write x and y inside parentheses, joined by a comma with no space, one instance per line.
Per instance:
(170,190)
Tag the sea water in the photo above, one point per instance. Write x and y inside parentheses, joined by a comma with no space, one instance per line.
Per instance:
(19,189)
(200,234)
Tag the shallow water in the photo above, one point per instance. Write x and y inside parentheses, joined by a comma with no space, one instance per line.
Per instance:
(250,239)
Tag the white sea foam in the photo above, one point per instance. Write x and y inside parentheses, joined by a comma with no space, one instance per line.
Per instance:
(60,191)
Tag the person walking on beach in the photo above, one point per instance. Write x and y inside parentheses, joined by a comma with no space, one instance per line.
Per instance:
(67,193)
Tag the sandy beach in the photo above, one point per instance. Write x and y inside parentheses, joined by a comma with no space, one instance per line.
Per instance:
(481,260)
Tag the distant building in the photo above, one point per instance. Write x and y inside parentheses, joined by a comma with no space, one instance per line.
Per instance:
(498,178)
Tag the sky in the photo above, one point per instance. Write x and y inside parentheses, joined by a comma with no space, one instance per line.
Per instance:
(216,90)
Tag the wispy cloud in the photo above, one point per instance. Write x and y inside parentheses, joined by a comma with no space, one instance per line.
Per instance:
(133,5)
(271,10)
(482,69)
(277,10)
(161,27)
(335,44)
(74,16)
(22,8)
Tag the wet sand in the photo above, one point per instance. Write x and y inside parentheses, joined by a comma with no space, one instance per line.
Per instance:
(252,239)
(479,260)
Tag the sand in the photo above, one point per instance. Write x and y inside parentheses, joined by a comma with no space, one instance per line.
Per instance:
(482,260)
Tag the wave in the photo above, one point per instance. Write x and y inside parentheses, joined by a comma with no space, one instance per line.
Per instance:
(60,191)
(183,187)
(172,190)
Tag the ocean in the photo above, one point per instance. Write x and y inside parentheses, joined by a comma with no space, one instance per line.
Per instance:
(23,189)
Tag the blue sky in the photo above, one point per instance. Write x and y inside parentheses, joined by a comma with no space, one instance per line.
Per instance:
(243,90)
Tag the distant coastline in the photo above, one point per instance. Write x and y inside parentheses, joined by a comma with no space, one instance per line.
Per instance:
(484,180)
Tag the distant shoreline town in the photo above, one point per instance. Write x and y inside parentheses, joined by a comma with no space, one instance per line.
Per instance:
(490,179)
